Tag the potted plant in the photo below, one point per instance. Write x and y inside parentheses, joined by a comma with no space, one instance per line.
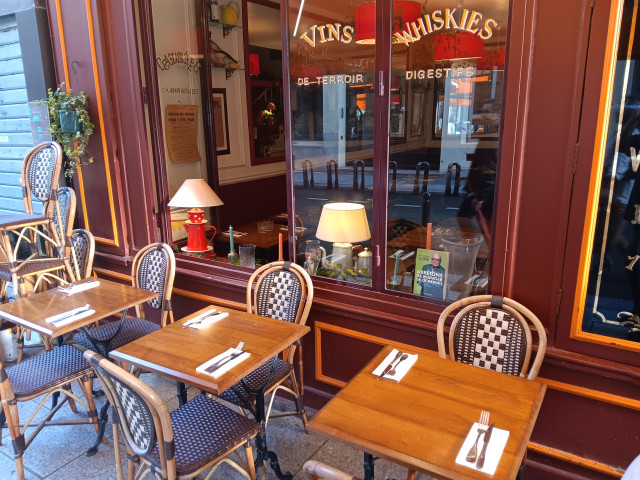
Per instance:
(70,125)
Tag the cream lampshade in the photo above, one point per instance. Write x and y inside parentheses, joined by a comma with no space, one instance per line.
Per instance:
(343,224)
(195,192)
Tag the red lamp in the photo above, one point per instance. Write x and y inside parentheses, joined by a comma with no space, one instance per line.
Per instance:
(254,64)
(195,192)
(492,60)
(403,12)
(457,46)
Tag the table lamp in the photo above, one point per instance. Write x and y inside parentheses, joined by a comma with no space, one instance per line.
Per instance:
(343,224)
(196,193)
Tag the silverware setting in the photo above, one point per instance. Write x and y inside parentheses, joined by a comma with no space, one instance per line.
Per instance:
(487,437)
(70,314)
(483,425)
(198,321)
(390,369)
(226,359)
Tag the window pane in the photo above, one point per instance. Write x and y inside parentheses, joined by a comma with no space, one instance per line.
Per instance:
(332,115)
(445,109)
(613,292)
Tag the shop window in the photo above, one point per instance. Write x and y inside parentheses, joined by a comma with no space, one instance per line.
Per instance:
(609,285)
(429,123)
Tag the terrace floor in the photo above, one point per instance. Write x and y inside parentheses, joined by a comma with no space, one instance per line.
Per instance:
(58,452)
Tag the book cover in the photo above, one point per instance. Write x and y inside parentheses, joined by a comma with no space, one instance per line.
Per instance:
(430,278)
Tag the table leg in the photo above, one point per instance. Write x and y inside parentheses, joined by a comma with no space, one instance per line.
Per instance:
(262,450)
(368,466)
(182,393)
(106,343)
(102,423)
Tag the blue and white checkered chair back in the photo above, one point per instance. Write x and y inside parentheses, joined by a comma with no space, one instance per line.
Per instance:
(84,246)
(491,338)
(154,269)
(279,295)
(40,175)
(67,206)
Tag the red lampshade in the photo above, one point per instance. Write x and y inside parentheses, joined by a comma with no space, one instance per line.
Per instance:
(492,60)
(455,46)
(403,12)
(254,64)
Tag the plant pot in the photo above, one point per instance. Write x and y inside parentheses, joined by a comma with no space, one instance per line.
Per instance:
(69,122)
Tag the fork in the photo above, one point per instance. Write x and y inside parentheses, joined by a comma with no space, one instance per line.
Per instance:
(402,359)
(226,358)
(201,319)
(483,424)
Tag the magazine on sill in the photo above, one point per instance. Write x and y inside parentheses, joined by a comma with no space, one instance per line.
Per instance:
(430,278)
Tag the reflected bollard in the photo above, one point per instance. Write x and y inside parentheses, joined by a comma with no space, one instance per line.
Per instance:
(426,207)
(456,187)
(393,166)
(307,174)
(424,167)
(332,164)
(358,165)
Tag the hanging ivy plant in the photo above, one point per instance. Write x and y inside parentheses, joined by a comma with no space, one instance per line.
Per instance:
(70,126)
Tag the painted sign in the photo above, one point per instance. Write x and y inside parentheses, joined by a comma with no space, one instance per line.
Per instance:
(173,58)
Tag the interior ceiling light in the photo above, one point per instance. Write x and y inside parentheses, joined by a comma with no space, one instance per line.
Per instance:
(457,46)
(365,15)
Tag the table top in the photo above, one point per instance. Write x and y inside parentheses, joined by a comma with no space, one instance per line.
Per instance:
(106,299)
(422,421)
(176,352)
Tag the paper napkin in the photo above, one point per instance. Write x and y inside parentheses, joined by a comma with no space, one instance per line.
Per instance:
(70,316)
(241,357)
(79,287)
(494,449)
(401,370)
(205,319)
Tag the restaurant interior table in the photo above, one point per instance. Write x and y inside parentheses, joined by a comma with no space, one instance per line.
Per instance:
(108,298)
(163,352)
(422,421)
(252,236)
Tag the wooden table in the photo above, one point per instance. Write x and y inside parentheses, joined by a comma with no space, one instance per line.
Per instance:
(106,299)
(260,240)
(164,353)
(422,421)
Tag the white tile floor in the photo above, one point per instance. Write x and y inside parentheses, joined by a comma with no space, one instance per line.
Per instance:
(59,452)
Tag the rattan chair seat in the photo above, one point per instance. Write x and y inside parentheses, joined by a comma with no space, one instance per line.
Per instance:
(17,219)
(203,430)
(132,329)
(238,394)
(31,267)
(52,367)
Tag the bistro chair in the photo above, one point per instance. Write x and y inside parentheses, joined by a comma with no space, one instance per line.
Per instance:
(48,374)
(492,332)
(284,291)
(83,249)
(185,443)
(315,470)
(153,269)
(400,226)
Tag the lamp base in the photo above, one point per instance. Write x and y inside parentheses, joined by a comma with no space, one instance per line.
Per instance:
(186,249)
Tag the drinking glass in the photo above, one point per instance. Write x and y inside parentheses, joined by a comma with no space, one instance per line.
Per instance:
(247,255)
(263,226)
(313,256)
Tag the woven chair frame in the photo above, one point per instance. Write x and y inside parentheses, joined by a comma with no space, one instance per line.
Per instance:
(315,470)
(64,219)
(17,428)
(77,259)
(163,428)
(167,288)
(289,383)
(524,316)
(393,230)
(27,181)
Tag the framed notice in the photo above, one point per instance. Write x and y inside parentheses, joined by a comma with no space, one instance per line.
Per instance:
(220,121)
(431,273)
(181,133)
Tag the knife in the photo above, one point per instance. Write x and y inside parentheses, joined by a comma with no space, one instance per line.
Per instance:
(487,437)
(197,321)
(388,367)
(71,313)
(222,362)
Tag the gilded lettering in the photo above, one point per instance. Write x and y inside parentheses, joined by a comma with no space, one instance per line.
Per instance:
(347,34)
(358,78)
(438,22)
(470,71)
(487,31)
(418,28)
(473,21)
(306,38)
(408,75)
(405,37)
(334,31)
(447,71)
(427,18)
(449,21)
(323,37)
(463,19)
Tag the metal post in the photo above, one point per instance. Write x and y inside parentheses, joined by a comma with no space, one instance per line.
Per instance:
(393,166)
(456,188)
(307,174)
(426,207)
(332,185)
(358,165)
(424,166)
